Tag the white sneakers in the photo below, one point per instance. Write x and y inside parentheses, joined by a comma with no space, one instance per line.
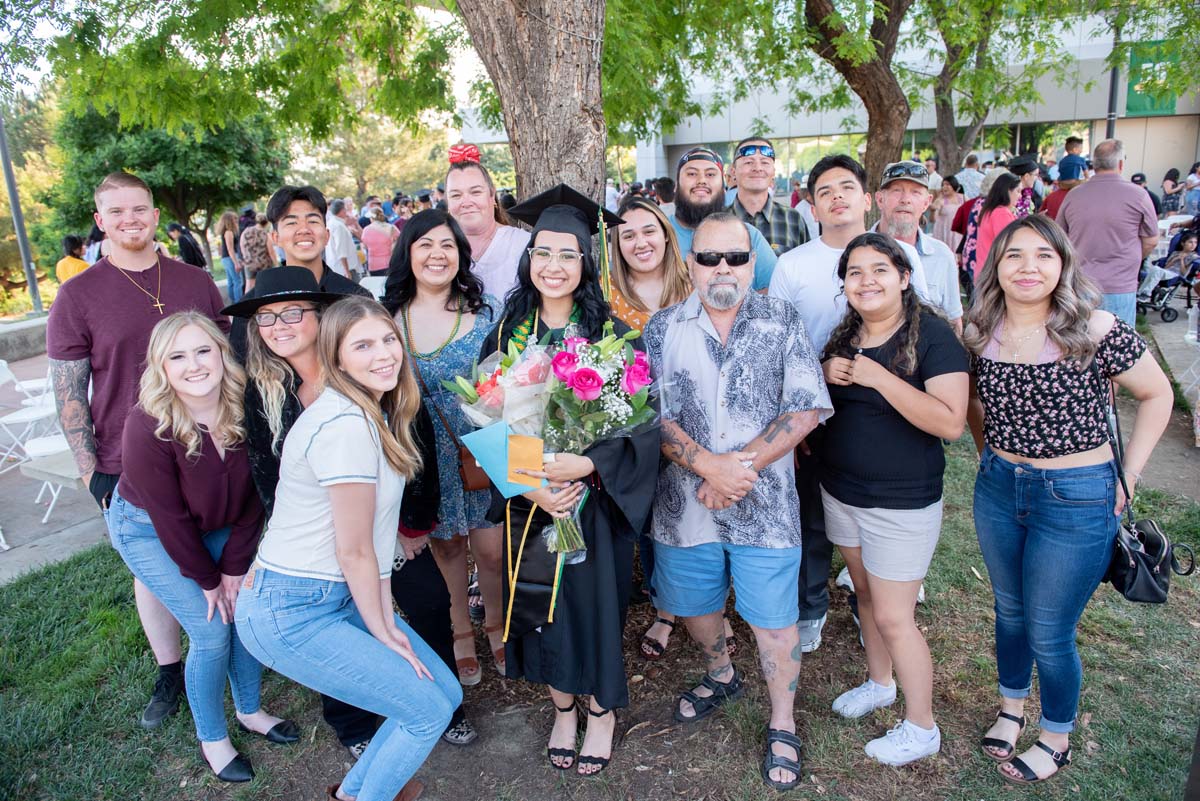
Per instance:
(904,743)
(810,634)
(864,699)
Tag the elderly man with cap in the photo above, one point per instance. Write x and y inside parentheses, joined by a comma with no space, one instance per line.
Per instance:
(902,198)
(564,623)
(754,166)
(749,389)
(700,182)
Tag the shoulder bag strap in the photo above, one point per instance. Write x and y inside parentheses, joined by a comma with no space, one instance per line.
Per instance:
(1113,423)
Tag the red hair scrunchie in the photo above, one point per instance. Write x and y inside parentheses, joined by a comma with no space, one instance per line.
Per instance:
(464,153)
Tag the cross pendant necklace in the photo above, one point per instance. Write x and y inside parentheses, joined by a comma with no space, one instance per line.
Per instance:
(156,296)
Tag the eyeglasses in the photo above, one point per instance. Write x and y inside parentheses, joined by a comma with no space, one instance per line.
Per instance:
(711,258)
(905,169)
(565,258)
(751,150)
(289,316)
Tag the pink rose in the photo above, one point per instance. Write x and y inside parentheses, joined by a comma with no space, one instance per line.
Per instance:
(586,383)
(636,376)
(572,343)
(640,357)
(564,364)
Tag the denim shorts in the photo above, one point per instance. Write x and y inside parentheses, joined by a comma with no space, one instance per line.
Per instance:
(694,581)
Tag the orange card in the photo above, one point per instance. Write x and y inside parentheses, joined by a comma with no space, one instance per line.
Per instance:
(524,453)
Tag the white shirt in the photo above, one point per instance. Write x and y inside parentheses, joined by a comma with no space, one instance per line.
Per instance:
(612,198)
(807,276)
(971,180)
(340,246)
(935,182)
(941,274)
(810,221)
(332,442)
(497,267)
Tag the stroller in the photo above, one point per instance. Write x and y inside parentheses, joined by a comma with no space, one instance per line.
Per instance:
(1164,292)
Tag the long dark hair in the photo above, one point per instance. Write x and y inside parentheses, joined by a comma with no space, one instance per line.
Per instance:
(401,285)
(1172,174)
(524,297)
(844,340)
(997,196)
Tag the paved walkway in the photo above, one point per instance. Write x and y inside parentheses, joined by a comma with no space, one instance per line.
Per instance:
(76,523)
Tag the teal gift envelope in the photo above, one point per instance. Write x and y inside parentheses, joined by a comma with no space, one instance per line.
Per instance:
(489,446)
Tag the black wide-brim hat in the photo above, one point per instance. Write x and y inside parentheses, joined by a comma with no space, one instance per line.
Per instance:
(279,284)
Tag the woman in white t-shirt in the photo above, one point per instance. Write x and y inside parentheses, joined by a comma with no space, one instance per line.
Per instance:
(317,605)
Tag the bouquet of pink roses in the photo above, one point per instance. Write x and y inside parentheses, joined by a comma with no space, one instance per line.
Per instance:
(598,390)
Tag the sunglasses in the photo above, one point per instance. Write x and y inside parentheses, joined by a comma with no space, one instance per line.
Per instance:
(711,258)
(753,150)
(905,169)
(699,154)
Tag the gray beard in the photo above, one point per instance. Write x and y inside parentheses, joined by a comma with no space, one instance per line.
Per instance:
(901,230)
(723,297)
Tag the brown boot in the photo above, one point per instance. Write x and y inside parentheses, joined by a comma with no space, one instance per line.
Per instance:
(411,791)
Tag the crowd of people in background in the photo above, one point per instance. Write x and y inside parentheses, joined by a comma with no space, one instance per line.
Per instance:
(284,471)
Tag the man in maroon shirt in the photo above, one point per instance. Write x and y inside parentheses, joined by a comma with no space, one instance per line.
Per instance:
(98,332)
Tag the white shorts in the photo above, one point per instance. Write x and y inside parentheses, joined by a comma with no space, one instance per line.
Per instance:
(897,544)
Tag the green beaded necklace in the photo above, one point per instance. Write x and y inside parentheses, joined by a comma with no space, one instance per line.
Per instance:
(433,354)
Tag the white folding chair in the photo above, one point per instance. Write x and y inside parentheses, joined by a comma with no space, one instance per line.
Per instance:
(30,422)
(51,462)
(34,389)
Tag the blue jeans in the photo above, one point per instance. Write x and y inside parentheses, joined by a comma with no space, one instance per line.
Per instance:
(1123,305)
(214,649)
(1047,538)
(234,281)
(310,631)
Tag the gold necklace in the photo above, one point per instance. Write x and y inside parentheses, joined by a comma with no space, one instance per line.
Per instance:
(433,354)
(158,304)
(1021,341)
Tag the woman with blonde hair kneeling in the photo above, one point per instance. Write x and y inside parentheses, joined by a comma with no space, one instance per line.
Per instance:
(317,606)
(185,517)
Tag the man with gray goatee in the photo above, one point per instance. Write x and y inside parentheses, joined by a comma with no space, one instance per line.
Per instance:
(744,388)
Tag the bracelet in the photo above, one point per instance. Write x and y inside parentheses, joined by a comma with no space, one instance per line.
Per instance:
(1136,476)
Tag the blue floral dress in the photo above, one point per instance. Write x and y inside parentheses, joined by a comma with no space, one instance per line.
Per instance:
(459,510)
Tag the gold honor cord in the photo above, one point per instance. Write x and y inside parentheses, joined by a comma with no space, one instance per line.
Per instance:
(511,568)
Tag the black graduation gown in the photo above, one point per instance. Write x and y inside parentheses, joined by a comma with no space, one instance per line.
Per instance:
(581,651)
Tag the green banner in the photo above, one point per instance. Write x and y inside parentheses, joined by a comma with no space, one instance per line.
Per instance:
(1147,60)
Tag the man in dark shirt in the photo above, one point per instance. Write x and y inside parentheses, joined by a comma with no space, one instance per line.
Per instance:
(754,165)
(1139,178)
(297,218)
(98,332)
(189,248)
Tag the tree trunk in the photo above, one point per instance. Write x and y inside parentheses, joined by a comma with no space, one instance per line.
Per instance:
(544,58)
(874,82)
(952,149)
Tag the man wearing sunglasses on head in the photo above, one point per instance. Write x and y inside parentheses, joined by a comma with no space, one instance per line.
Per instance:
(808,277)
(754,166)
(750,388)
(700,183)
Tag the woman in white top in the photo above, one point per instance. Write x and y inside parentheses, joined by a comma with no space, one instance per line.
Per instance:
(496,246)
(317,605)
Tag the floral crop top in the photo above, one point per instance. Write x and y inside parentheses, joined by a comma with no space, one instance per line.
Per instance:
(1053,408)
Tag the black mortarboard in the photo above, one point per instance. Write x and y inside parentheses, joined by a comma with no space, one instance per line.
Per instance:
(564,210)
(1022,165)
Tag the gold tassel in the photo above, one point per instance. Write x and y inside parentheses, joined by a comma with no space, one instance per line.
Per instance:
(511,568)
(558,569)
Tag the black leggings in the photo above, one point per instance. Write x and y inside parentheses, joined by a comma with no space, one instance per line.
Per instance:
(420,592)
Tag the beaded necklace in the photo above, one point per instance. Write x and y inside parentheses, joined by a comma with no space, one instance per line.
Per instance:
(521,333)
(433,354)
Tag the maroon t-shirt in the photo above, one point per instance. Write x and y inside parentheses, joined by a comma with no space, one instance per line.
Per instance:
(188,497)
(105,318)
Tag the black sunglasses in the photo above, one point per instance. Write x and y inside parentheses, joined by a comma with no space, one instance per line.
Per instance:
(750,150)
(711,258)
(905,169)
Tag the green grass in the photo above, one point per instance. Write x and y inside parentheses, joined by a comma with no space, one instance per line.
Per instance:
(75,671)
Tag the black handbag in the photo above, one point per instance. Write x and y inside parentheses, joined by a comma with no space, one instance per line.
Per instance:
(1143,555)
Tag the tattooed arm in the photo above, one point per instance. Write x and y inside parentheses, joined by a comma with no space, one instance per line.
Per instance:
(726,478)
(781,436)
(70,379)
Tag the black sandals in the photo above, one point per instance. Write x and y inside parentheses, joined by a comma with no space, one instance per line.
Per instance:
(996,742)
(707,704)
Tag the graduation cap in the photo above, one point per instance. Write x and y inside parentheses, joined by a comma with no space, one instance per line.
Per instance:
(565,210)
(1023,165)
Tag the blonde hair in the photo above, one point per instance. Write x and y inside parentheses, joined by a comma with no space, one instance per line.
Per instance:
(159,399)
(1071,303)
(677,283)
(228,222)
(273,378)
(400,405)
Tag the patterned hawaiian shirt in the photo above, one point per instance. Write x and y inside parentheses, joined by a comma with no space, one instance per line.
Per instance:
(723,396)
(783,228)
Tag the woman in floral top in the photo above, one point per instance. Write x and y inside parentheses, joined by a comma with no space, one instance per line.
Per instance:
(1047,498)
